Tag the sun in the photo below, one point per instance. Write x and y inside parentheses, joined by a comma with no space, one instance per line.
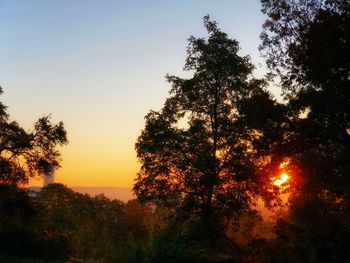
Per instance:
(281,180)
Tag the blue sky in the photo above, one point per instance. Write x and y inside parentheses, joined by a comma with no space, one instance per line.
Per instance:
(99,66)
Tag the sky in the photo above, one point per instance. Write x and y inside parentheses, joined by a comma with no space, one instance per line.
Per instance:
(99,67)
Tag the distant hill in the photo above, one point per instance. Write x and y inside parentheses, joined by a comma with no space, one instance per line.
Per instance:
(112,192)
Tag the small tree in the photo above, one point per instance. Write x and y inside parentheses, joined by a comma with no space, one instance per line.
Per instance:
(197,152)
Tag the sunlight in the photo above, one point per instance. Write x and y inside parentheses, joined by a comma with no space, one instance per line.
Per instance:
(281,180)
(284,164)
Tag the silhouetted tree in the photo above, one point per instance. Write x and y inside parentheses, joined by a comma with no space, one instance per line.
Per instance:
(23,155)
(20,236)
(306,43)
(92,228)
(16,208)
(197,153)
(26,154)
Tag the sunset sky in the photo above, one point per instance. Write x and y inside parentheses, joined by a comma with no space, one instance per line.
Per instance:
(99,66)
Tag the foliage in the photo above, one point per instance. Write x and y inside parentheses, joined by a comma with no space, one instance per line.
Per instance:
(23,155)
(197,153)
(60,224)
(18,232)
(317,138)
(307,43)
(15,259)
(296,32)
(26,154)
(205,156)
(15,206)
(94,228)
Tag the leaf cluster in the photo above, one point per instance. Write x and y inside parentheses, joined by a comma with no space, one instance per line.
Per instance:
(25,154)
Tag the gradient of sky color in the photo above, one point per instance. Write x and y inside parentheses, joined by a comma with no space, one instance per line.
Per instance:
(99,66)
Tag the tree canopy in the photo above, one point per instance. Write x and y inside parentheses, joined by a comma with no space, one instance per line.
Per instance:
(25,154)
(197,152)
(307,44)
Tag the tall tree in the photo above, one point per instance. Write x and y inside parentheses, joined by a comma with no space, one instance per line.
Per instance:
(197,152)
(26,154)
(307,44)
